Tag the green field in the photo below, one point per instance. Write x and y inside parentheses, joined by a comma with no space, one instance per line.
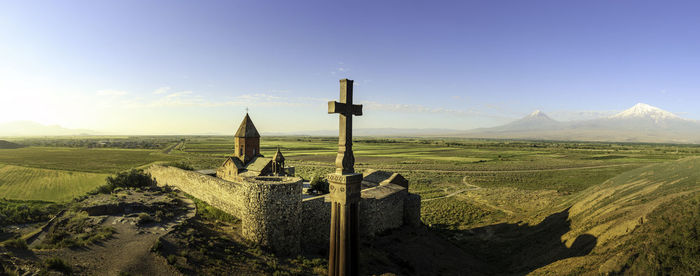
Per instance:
(81,159)
(492,198)
(57,169)
(46,185)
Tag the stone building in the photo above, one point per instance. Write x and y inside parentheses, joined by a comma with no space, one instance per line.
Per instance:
(373,178)
(265,195)
(247,159)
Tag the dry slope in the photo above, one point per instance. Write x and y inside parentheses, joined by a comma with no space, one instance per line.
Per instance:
(638,218)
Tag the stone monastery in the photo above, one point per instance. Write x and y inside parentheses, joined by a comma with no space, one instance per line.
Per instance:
(247,160)
(267,197)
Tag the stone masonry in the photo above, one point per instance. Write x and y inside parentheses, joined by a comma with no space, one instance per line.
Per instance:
(274,215)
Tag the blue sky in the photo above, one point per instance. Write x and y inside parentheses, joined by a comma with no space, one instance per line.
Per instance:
(173,67)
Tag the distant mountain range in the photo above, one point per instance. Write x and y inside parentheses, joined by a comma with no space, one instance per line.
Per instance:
(29,128)
(640,123)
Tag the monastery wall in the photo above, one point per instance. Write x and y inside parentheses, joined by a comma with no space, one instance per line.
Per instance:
(381,208)
(274,215)
(269,207)
(225,195)
(272,212)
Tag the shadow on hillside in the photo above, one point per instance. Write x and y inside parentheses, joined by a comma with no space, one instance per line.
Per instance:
(504,248)
(522,248)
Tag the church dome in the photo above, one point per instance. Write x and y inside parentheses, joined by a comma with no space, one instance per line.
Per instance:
(247,129)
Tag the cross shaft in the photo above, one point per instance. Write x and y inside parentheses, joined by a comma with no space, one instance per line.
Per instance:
(345,160)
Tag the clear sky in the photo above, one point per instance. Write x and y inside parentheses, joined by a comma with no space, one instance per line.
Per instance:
(175,67)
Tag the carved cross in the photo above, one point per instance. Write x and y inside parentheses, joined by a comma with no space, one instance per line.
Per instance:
(345,161)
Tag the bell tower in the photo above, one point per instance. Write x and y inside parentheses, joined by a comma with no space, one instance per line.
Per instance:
(247,141)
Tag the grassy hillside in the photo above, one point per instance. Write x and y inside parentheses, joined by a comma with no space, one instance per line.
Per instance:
(643,220)
(8,145)
(42,184)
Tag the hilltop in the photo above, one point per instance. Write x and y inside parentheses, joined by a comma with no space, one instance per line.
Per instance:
(9,145)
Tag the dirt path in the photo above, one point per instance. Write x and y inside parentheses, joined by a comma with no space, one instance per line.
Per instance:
(129,249)
(471,187)
(170,148)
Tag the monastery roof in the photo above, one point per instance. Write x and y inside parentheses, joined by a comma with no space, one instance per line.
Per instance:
(247,128)
(377,177)
(236,161)
(258,163)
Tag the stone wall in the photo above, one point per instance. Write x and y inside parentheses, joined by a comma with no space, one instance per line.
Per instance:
(381,208)
(273,209)
(274,215)
(225,195)
(269,207)
(316,224)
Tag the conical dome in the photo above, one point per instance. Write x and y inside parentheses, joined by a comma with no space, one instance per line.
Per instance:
(247,128)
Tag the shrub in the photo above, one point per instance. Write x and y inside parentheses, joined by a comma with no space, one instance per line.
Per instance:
(130,179)
(26,211)
(319,184)
(18,243)
(172,259)
(157,246)
(58,264)
(145,218)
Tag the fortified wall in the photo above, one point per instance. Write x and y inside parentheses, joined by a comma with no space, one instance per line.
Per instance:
(269,206)
(274,215)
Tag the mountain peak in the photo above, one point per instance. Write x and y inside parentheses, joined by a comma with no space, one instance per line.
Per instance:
(642,110)
(537,114)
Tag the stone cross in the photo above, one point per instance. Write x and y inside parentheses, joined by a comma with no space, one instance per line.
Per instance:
(345,161)
(344,188)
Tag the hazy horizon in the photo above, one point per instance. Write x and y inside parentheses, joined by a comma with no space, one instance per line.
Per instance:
(130,67)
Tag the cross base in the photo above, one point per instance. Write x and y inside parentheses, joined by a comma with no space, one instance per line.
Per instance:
(344,241)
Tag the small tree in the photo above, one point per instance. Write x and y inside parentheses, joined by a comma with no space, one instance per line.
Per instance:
(131,179)
(319,184)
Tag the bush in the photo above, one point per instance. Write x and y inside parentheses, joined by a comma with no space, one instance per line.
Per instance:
(18,243)
(131,179)
(172,259)
(144,218)
(26,211)
(58,264)
(319,184)
(157,246)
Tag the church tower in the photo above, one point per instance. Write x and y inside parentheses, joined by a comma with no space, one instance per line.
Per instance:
(247,141)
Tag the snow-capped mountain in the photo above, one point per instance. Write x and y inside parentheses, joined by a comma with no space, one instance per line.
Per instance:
(640,123)
(646,111)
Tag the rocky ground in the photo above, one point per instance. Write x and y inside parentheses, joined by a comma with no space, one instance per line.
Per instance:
(105,234)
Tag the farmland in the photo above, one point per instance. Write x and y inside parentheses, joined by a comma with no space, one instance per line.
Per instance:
(435,167)
(520,191)
(46,185)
